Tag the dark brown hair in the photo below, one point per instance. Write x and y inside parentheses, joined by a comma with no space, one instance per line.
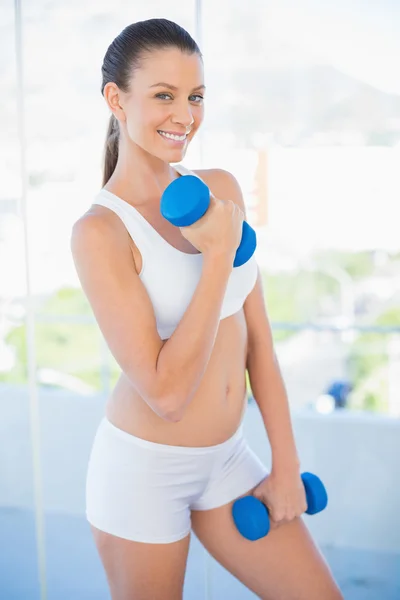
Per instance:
(124,55)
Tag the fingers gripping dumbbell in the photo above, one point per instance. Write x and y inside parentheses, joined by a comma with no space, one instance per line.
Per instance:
(185,201)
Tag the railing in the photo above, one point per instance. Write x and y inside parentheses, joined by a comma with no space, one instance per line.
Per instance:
(318,359)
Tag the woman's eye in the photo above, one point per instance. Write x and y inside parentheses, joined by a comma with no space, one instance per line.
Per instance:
(162,96)
(200,98)
(194,98)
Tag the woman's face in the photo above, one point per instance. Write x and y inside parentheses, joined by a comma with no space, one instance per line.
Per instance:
(164,107)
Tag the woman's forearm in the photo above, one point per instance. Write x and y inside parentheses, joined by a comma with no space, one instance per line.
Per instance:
(184,357)
(270,394)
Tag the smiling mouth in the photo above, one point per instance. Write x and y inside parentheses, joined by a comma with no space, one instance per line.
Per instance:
(173,136)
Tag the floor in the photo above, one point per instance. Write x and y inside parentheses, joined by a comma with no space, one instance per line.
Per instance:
(74,571)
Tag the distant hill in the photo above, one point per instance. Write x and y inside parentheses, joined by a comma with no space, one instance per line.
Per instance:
(295,103)
(272,86)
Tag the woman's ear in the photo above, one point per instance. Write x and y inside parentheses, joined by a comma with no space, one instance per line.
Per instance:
(112,95)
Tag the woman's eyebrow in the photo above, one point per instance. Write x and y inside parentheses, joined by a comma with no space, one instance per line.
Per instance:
(173,87)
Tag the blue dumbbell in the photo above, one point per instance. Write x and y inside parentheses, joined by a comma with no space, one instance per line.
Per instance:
(186,200)
(251,515)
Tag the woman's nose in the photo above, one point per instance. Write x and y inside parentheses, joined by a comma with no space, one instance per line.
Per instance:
(183,116)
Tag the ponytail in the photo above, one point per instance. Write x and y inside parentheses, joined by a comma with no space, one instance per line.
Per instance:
(111,149)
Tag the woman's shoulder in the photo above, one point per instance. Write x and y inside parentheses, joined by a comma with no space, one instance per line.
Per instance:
(222,183)
(95,227)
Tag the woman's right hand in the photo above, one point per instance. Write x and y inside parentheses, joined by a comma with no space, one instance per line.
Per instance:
(219,230)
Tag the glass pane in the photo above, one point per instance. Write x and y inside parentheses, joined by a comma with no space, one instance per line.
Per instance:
(313,141)
(17,518)
(67,119)
(303,107)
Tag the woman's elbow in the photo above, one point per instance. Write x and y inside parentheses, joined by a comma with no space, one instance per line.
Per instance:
(169,409)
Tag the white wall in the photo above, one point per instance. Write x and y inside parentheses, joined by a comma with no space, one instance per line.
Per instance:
(356,456)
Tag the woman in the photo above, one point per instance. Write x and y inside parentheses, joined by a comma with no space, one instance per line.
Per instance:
(169,455)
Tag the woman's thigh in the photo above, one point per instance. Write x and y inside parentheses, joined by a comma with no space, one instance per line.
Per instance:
(284,565)
(142,571)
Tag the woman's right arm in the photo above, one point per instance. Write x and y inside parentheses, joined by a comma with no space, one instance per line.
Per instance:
(166,374)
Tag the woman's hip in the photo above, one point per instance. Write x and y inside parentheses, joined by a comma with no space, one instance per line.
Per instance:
(144,491)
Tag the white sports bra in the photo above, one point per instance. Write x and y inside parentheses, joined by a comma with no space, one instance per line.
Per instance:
(169,275)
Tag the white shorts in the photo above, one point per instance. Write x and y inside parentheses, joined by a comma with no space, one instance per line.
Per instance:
(144,491)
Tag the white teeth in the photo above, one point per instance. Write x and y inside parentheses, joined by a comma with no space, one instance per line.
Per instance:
(170,136)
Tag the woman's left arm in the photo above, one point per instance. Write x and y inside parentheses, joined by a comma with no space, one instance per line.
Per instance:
(262,365)
(267,383)
(282,491)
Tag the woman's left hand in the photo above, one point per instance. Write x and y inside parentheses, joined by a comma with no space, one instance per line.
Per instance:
(284,496)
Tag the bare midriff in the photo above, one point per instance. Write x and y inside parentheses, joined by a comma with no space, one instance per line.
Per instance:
(216,409)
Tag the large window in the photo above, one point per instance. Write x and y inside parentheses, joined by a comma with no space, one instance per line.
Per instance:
(303,107)
(311,129)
